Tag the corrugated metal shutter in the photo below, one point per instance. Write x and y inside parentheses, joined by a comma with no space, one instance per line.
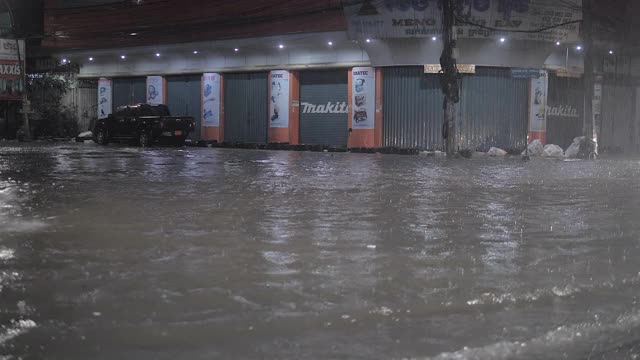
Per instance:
(326,89)
(618,117)
(413,114)
(128,91)
(493,110)
(87,104)
(246,107)
(184,98)
(565,110)
(83,100)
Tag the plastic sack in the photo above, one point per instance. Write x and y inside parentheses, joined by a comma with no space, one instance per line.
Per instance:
(552,150)
(535,148)
(496,152)
(574,149)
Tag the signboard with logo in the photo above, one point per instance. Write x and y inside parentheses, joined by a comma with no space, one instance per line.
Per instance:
(519,73)
(104,98)
(462,68)
(324,107)
(564,110)
(538,105)
(155,90)
(279,99)
(211,99)
(363,101)
(11,74)
(423,18)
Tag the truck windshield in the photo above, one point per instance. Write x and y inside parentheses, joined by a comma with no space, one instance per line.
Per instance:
(157,110)
(160,110)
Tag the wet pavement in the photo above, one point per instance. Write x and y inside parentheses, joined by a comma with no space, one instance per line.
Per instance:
(196,253)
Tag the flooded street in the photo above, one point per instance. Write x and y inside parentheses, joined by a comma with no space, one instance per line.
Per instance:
(196,253)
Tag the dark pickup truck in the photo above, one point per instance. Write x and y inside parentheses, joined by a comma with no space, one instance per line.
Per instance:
(143,124)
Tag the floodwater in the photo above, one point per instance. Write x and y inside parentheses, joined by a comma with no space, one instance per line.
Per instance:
(196,253)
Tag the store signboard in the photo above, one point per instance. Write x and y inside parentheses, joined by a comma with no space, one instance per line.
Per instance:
(211,99)
(105,99)
(520,73)
(462,68)
(363,97)
(11,70)
(279,99)
(382,19)
(155,90)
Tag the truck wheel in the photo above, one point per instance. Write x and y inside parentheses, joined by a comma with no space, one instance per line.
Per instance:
(144,139)
(101,137)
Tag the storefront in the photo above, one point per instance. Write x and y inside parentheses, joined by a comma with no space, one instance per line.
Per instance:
(492,111)
(246,107)
(564,110)
(129,91)
(183,98)
(323,107)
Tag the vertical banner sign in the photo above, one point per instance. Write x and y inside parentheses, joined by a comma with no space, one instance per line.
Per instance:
(538,103)
(279,99)
(104,98)
(363,97)
(155,90)
(597,110)
(211,99)
(11,76)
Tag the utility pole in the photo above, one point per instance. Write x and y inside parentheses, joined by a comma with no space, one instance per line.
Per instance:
(449,77)
(25,100)
(587,32)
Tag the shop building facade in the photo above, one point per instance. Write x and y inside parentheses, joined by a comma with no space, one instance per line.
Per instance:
(338,89)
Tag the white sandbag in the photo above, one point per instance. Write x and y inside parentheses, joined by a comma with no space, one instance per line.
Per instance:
(86,134)
(535,148)
(574,149)
(496,152)
(552,150)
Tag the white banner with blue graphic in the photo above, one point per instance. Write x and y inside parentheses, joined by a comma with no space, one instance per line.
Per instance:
(363,102)
(211,99)
(155,90)
(538,102)
(104,98)
(279,99)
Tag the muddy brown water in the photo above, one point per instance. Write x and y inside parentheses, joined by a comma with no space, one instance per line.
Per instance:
(126,253)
